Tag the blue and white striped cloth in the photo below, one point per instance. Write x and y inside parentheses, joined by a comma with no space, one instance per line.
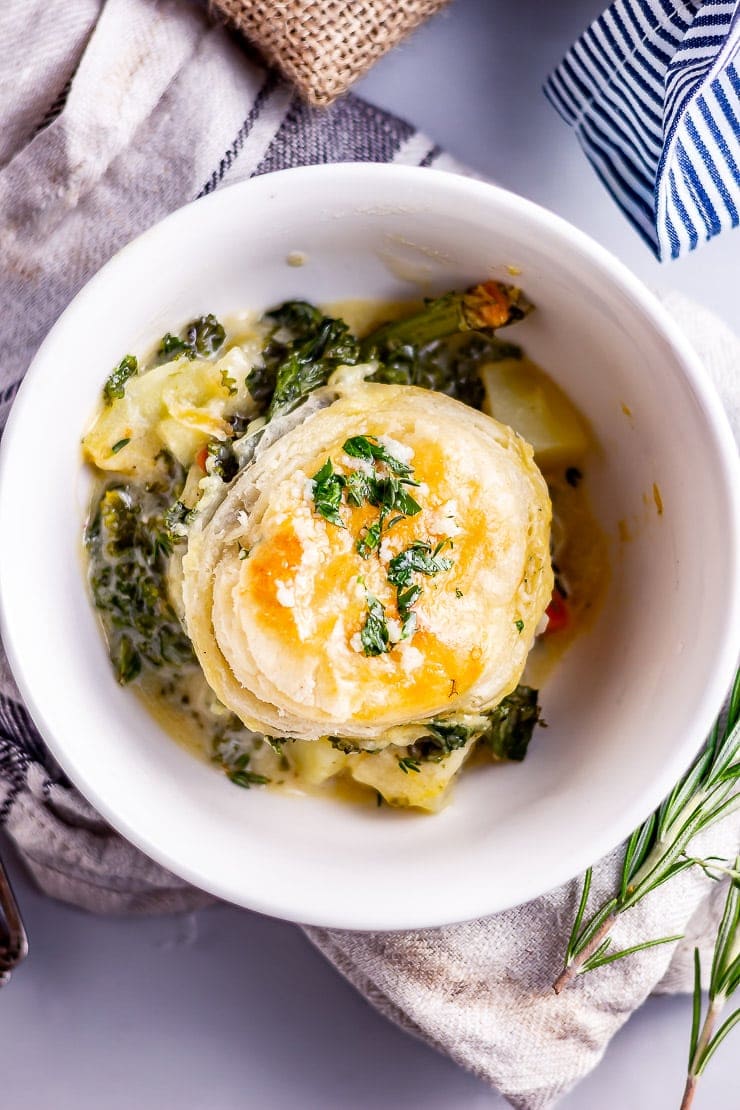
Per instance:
(652,89)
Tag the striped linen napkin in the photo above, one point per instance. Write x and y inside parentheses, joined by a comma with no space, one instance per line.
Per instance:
(652,90)
(152,106)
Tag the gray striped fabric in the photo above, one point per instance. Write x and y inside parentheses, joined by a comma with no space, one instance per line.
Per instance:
(652,90)
(64,218)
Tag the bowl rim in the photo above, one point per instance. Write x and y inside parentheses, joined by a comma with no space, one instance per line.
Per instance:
(720,442)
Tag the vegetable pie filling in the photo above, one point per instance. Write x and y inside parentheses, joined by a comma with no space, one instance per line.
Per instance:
(318,560)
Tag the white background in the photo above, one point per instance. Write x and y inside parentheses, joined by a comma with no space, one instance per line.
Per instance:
(224,1009)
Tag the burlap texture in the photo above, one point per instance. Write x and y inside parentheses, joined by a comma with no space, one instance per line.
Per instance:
(322,46)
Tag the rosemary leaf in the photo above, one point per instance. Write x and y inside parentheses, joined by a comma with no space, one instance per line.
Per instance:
(657,851)
(724,980)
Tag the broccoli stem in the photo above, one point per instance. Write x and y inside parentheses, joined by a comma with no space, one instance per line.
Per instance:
(484,307)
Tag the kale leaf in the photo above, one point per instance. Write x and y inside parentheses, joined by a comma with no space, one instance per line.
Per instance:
(512,723)
(128,545)
(449,365)
(115,385)
(201,337)
(304,349)
(507,736)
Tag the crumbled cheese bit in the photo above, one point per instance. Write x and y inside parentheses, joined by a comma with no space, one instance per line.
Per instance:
(411,658)
(350,463)
(285,594)
(355,642)
(385,551)
(400,451)
(394,630)
(441,522)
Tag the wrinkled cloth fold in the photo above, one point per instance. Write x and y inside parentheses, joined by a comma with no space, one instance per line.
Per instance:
(652,90)
(141,107)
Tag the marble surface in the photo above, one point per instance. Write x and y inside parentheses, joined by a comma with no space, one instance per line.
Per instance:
(225,1009)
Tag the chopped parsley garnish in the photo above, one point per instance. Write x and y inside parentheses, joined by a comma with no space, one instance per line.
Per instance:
(419,558)
(228,383)
(115,385)
(120,445)
(389,496)
(458,592)
(369,540)
(407,764)
(519,625)
(327,493)
(359,488)
(374,635)
(405,599)
(368,447)
(201,337)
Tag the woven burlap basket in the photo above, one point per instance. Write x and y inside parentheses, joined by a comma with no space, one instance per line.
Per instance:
(322,46)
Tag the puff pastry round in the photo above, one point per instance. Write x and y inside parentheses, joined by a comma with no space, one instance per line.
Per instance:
(275,595)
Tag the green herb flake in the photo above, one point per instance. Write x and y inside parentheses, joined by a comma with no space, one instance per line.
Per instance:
(359,488)
(246,779)
(519,625)
(374,634)
(115,385)
(408,765)
(368,447)
(369,541)
(127,661)
(120,445)
(228,383)
(458,592)
(327,493)
(417,558)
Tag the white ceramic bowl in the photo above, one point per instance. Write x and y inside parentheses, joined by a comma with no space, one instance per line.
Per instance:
(627,707)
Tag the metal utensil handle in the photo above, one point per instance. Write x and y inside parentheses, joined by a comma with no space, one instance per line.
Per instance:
(13,939)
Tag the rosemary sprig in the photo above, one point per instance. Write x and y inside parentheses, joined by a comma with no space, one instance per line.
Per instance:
(724,979)
(656,851)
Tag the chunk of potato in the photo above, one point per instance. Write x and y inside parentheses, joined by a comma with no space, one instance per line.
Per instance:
(316,761)
(180,405)
(423,788)
(519,394)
